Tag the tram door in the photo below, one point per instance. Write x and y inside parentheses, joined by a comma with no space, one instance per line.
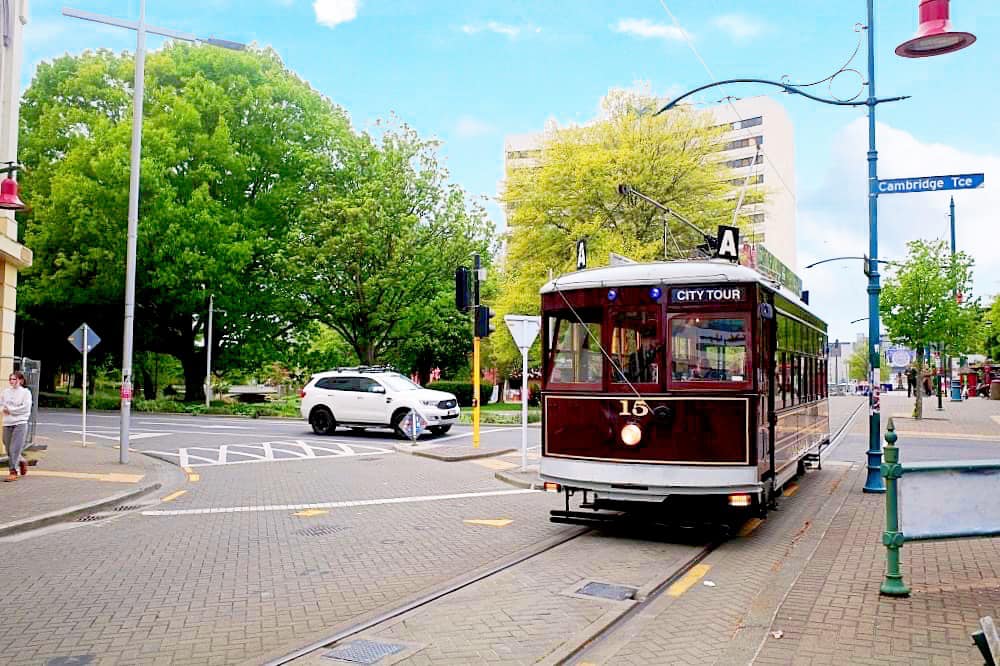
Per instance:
(767,363)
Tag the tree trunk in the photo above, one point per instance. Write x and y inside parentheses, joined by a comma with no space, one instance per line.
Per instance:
(194,377)
(918,406)
(148,384)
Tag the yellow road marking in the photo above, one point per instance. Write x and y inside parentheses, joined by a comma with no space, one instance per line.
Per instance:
(113,477)
(496,465)
(750,526)
(191,474)
(790,490)
(688,579)
(172,496)
(500,522)
(308,513)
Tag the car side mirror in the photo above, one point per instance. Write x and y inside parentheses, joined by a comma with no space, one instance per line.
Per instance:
(377,389)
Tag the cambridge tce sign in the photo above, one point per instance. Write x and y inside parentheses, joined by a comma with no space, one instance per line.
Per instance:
(966,181)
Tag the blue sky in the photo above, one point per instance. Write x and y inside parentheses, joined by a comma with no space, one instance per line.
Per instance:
(471,72)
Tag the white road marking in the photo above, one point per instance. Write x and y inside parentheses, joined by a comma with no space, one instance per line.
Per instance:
(336,505)
(236,454)
(134,435)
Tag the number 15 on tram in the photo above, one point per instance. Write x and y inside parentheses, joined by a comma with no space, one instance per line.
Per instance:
(667,385)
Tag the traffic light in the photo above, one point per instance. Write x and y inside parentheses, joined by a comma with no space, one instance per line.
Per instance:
(463,297)
(483,325)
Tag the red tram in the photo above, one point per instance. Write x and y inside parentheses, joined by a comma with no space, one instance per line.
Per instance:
(667,383)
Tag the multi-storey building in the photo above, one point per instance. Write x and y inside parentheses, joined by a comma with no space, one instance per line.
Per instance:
(758,145)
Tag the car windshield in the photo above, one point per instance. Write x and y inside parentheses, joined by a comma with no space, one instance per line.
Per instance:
(399,383)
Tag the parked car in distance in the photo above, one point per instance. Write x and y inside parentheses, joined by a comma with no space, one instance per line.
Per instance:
(372,397)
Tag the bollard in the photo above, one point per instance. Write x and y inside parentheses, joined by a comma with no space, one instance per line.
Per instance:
(892,538)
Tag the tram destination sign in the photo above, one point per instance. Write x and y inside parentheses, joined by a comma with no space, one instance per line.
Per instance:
(965,181)
(706,294)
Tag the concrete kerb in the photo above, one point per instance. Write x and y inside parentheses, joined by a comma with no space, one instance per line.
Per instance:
(72,512)
(450,453)
(527,478)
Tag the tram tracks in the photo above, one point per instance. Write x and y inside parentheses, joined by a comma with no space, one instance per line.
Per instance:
(616,542)
(384,616)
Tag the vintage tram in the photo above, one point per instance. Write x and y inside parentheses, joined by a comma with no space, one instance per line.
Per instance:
(678,383)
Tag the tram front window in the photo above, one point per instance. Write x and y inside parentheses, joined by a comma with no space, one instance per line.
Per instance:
(705,349)
(635,349)
(574,346)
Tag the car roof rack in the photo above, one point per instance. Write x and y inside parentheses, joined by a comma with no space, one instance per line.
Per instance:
(367,368)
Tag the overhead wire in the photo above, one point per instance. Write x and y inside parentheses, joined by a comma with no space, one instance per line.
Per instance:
(687,39)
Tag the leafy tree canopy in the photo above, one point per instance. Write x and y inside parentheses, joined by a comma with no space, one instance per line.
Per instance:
(230,143)
(919,305)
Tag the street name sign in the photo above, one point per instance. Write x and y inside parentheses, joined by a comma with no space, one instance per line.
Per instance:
(965,181)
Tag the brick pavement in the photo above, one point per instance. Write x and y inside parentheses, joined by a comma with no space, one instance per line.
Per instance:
(231,588)
(40,494)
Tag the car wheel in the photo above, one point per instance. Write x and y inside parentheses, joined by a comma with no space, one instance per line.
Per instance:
(397,418)
(322,421)
(440,430)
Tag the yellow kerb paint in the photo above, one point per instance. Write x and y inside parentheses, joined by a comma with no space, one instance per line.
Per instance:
(308,513)
(172,496)
(499,522)
(790,490)
(113,477)
(750,526)
(687,580)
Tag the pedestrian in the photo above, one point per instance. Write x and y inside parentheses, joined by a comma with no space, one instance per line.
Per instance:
(911,382)
(16,402)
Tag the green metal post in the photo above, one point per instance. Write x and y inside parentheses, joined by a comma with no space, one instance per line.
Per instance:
(892,538)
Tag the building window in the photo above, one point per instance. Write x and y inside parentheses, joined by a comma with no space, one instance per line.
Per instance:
(755,218)
(743,143)
(753,180)
(744,162)
(523,154)
(749,122)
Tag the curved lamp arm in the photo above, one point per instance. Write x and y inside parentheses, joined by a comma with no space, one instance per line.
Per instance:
(878,261)
(787,88)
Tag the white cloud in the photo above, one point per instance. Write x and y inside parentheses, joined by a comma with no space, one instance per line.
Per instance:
(739,27)
(468,127)
(833,218)
(332,12)
(510,31)
(647,29)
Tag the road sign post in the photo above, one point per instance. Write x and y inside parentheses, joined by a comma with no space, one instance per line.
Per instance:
(84,339)
(524,329)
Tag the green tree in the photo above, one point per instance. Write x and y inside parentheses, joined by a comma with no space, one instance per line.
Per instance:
(376,248)
(570,193)
(857,362)
(919,307)
(230,142)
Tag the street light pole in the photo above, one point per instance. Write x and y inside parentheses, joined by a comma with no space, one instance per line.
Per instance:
(208,354)
(874,482)
(141,29)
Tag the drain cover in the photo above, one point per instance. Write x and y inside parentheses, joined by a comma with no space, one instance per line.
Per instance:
(320,530)
(90,517)
(76,660)
(608,591)
(126,507)
(363,652)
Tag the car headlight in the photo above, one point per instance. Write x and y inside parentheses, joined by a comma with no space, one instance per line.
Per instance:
(631,434)
(429,403)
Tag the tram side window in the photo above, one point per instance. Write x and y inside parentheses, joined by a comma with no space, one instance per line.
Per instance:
(575,348)
(635,350)
(707,349)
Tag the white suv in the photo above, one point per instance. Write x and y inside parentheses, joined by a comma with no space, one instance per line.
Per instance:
(367,397)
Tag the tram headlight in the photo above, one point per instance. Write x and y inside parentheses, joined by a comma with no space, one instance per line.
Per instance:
(631,434)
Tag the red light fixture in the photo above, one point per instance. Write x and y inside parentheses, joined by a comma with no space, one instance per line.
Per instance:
(9,200)
(934,35)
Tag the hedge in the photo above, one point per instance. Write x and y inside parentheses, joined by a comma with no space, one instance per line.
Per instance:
(463,391)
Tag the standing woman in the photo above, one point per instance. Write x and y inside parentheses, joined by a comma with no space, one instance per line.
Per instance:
(16,401)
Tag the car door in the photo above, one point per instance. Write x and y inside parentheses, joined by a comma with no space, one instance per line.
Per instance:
(344,399)
(372,401)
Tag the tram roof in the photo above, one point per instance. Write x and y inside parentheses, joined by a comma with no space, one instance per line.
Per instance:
(711,271)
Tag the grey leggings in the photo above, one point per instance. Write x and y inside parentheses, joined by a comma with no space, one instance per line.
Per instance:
(13,441)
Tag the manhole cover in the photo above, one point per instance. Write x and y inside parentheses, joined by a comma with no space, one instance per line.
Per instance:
(608,591)
(320,530)
(363,652)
